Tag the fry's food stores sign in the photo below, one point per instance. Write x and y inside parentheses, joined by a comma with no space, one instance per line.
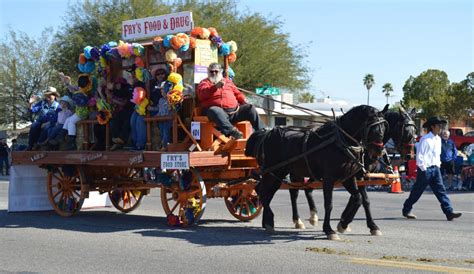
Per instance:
(140,29)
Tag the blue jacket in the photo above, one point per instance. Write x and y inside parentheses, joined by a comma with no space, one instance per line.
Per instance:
(46,113)
(448,150)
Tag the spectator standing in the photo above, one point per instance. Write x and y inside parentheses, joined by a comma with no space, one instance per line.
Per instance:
(4,157)
(428,161)
(448,157)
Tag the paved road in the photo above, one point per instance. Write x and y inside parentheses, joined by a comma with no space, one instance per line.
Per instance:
(103,240)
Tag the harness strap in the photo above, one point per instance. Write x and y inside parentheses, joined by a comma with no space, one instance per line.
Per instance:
(305,142)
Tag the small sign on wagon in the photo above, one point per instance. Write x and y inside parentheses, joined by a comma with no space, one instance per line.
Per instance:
(174,161)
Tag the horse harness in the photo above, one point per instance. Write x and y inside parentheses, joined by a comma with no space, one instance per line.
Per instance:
(337,136)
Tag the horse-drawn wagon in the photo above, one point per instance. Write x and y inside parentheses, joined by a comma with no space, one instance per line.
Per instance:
(198,164)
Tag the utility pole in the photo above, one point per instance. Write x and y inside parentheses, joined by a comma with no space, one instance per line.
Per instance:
(13,93)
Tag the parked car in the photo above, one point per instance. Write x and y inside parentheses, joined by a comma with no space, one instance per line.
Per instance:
(461,140)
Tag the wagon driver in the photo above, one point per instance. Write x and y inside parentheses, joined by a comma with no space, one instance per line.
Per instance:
(224,104)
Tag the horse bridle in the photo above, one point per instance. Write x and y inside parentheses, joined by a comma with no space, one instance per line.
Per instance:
(404,125)
(378,121)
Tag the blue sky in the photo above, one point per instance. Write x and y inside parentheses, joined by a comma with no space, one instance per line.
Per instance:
(344,40)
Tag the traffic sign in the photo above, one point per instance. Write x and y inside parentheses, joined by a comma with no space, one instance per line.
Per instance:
(267,90)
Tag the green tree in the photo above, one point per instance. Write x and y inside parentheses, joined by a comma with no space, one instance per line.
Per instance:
(428,92)
(265,54)
(387,89)
(368,83)
(306,97)
(461,101)
(24,71)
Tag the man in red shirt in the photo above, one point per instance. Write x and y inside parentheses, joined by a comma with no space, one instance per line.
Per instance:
(224,104)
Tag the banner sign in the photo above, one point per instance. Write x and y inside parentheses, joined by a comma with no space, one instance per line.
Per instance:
(142,28)
(204,55)
(174,161)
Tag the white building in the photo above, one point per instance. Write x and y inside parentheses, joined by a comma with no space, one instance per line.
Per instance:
(318,111)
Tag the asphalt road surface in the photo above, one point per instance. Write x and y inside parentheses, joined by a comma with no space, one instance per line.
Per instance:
(104,240)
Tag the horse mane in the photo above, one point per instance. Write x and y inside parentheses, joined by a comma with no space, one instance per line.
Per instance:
(358,113)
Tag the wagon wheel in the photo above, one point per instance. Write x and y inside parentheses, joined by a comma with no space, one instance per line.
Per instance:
(66,191)
(126,198)
(245,205)
(184,197)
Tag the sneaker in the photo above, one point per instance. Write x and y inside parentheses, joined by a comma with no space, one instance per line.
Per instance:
(409,215)
(453,215)
(115,147)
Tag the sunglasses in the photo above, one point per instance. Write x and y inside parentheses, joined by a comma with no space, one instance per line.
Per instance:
(213,71)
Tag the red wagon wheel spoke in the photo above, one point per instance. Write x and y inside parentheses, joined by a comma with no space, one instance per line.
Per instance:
(125,197)
(244,204)
(184,205)
(66,193)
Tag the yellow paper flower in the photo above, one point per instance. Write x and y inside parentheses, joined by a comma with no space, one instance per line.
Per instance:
(175,78)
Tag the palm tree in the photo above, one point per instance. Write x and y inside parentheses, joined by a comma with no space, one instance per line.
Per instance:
(307,97)
(368,82)
(387,89)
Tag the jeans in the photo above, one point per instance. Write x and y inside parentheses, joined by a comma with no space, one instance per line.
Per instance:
(4,160)
(138,125)
(431,176)
(35,132)
(54,131)
(225,118)
(120,124)
(165,132)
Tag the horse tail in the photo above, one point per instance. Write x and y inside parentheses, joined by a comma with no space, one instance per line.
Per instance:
(254,142)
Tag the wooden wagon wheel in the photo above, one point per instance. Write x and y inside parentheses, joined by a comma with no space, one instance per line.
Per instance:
(66,191)
(184,197)
(126,198)
(244,204)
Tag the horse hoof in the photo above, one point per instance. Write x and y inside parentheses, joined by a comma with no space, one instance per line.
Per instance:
(269,229)
(313,219)
(333,237)
(340,229)
(375,232)
(299,224)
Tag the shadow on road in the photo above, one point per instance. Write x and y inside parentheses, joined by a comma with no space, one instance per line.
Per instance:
(209,232)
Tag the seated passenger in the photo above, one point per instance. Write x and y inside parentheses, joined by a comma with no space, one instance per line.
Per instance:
(48,109)
(224,104)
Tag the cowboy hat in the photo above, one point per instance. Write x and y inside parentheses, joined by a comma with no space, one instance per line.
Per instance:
(68,100)
(433,121)
(51,91)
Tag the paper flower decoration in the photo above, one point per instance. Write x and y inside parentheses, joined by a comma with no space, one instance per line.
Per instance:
(167,41)
(157,43)
(224,49)
(170,56)
(82,59)
(138,95)
(123,49)
(213,31)
(175,78)
(232,45)
(139,62)
(138,49)
(232,57)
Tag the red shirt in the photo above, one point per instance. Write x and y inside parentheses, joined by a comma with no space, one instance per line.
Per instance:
(227,96)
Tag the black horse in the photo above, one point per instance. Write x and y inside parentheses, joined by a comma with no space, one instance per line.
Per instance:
(402,131)
(333,152)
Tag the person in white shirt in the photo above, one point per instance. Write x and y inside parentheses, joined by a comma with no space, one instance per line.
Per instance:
(428,162)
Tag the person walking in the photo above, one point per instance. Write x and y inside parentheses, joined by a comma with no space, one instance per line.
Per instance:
(428,163)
